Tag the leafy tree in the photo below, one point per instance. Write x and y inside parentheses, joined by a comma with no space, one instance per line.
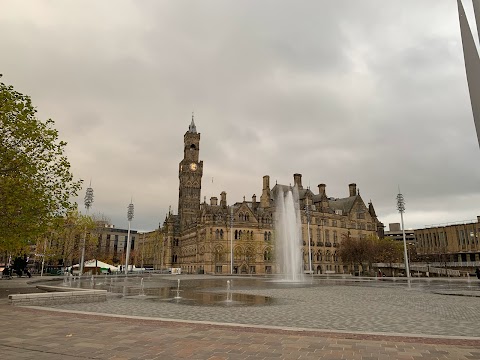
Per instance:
(36,184)
(356,251)
(387,250)
(62,244)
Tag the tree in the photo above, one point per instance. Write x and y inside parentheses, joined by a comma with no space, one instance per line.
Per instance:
(356,251)
(36,185)
(387,250)
(62,243)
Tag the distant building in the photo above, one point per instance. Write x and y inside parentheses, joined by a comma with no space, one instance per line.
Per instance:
(395,233)
(112,244)
(451,245)
(198,238)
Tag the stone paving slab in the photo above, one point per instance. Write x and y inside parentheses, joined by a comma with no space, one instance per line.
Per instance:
(43,333)
(38,334)
(330,307)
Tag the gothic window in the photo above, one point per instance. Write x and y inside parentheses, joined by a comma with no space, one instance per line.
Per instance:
(236,234)
(247,217)
(327,236)
(221,234)
(267,255)
(269,236)
(319,234)
(265,236)
(334,236)
(217,234)
(319,256)
(240,234)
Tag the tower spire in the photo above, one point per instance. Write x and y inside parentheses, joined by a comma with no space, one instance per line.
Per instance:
(192,128)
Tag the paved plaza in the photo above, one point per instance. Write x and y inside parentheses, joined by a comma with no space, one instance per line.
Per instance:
(330,321)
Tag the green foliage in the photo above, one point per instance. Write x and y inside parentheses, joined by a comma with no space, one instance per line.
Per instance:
(36,185)
(370,250)
(64,240)
(387,251)
(355,251)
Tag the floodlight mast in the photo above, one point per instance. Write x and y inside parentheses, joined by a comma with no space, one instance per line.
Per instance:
(401,209)
(130,218)
(88,201)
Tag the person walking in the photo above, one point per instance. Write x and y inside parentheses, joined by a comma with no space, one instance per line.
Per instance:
(477,272)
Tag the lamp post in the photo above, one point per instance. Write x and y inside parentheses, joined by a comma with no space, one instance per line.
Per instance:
(88,201)
(401,209)
(129,217)
(231,240)
(307,211)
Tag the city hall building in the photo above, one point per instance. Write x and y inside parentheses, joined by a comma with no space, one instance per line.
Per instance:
(202,237)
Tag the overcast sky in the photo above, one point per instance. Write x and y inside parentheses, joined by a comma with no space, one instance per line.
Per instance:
(372,92)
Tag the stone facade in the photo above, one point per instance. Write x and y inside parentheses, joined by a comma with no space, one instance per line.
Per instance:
(454,245)
(200,236)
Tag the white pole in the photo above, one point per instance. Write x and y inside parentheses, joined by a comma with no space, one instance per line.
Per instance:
(129,217)
(88,200)
(128,249)
(83,245)
(405,253)
(401,209)
(231,240)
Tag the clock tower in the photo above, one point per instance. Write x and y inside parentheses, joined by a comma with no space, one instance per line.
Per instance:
(190,175)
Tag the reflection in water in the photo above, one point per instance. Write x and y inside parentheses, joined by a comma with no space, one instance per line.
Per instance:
(213,292)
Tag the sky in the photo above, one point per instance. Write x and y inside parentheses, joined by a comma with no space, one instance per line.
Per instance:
(371,92)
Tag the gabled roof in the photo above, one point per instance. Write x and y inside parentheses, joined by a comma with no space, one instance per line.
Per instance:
(344,204)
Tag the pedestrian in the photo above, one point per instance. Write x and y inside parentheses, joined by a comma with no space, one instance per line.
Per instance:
(477,271)
(109,271)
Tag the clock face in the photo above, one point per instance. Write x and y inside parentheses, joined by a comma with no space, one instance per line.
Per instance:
(193,166)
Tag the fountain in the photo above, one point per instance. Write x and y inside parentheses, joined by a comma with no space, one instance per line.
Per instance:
(142,291)
(289,234)
(229,292)
(178,290)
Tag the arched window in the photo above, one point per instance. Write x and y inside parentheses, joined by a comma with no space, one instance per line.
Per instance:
(247,217)
(240,234)
(267,255)
(217,234)
(221,234)
(265,236)
(269,236)
(236,234)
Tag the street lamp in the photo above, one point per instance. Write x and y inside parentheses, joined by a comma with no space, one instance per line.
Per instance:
(88,201)
(401,209)
(129,217)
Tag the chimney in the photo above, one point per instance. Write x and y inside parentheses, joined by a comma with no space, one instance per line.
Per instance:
(321,190)
(223,199)
(297,180)
(213,200)
(353,189)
